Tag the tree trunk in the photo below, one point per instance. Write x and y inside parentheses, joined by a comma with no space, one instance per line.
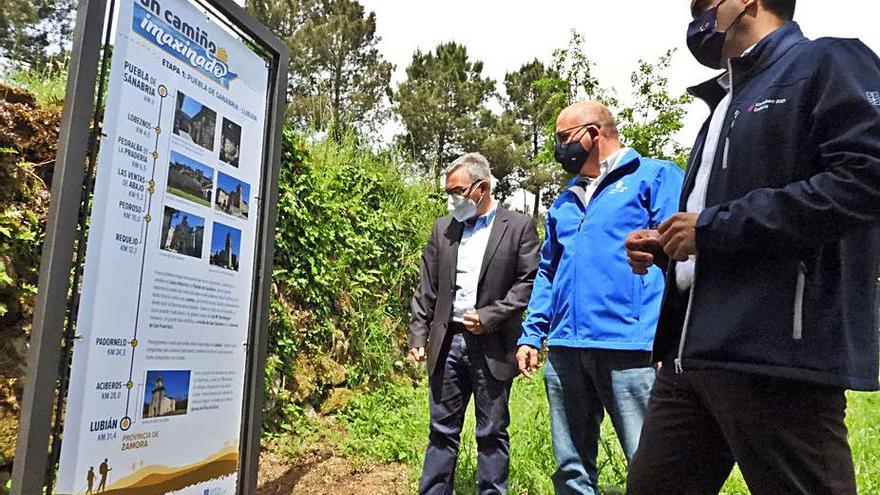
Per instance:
(535,157)
(537,202)
(534,141)
(439,165)
(337,125)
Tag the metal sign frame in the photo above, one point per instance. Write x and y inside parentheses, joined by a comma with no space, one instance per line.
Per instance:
(54,299)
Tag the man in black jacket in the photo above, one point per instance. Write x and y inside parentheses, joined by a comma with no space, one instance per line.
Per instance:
(476,278)
(770,312)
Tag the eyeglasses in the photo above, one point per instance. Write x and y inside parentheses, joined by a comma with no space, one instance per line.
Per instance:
(561,135)
(461,190)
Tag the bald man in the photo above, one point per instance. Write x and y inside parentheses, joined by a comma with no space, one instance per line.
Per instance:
(596,316)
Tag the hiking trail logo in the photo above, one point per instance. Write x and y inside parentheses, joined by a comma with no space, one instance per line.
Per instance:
(873,97)
(185,42)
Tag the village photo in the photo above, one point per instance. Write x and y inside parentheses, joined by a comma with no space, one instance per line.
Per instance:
(225,247)
(230,142)
(233,196)
(166,393)
(189,179)
(194,122)
(182,232)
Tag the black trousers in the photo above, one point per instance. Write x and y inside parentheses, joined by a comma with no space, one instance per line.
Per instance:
(462,372)
(788,437)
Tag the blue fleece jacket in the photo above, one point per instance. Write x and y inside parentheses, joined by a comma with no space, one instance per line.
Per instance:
(585,293)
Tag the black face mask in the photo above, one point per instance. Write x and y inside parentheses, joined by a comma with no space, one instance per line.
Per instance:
(572,154)
(704,40)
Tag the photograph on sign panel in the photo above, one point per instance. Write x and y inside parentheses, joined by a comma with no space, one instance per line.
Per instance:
(225,247)
(230,142)
(233,196)
(182,232)
(189,179)
(194,122)
(166,393)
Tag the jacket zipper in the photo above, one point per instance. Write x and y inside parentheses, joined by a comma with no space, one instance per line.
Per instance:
(798,326)
(687,321)
(727,137)
(687,315)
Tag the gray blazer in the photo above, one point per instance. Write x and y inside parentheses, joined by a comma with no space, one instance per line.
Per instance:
(503,291)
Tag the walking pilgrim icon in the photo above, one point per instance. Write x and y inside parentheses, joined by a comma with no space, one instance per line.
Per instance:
(103,470)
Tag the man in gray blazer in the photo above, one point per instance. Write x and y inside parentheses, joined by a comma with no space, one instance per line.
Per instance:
(476,278)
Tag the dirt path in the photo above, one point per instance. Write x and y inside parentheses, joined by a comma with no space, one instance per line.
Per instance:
(323,473)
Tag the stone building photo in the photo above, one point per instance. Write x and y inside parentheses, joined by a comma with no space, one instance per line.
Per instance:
(230,142)
(182,232)
(233,196)
(194,122)
(225,247)
(166,393)
(189,179)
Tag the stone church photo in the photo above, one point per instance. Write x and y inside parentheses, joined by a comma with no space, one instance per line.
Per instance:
(166,393)
(233,196)
(225,247)
(195,122)
(182,232)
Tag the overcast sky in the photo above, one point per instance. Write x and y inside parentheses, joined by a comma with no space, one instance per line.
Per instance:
(507,34)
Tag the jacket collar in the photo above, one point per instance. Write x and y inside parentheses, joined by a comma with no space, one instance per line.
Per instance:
(764,54)
(629,158)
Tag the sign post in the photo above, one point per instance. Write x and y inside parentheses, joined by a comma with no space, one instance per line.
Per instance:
(166,378)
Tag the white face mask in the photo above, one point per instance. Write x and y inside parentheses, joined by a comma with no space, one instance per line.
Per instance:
(460,207)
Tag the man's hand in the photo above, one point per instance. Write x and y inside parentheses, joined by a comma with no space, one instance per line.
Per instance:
(417,354)
(678,235)
(472,323)
(642,246)
(527,360)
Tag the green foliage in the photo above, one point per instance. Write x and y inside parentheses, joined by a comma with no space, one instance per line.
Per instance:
(387,425)
(441,104)
(28,28)
(535,96)
(22,228)
(348,241)
(391,425)
(863,423)
(648,124)
(46,82)
(651,122)
(500,140)
(338,79)
(576,70)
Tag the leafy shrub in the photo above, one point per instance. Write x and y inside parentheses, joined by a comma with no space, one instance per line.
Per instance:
(351,227)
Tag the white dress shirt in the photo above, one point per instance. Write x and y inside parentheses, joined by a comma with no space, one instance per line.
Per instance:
(471,251)
(696,201)
(607,165)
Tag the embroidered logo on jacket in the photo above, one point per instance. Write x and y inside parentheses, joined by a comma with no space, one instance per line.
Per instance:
(873,97)
(764,105)
(618,188)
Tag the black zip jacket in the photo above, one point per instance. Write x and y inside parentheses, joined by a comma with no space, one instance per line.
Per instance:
(788,247)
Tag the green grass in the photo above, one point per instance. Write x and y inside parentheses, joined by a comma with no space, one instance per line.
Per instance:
(192,197)
(47,83)
(391,425)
